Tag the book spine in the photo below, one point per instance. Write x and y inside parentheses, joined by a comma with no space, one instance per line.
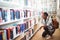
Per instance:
(1,37)
(22,28)
(0,15)
(18,26)
(5,15)
(11,33)
(17,14)
(4,35)
(8,34)
(12,13)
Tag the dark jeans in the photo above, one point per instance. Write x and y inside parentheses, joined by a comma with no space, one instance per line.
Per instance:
(47,32)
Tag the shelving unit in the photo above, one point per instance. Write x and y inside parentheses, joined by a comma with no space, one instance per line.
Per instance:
(19,27)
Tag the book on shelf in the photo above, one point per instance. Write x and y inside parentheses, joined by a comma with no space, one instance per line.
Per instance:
(32,31)
(5,15)
(25,13)
(17,14)
(30,22)
(8,34)
(12,13)
(1,37)
(1,15)
(4,35)
(11,33)
(17,29)
(27,26)
(29,32)
(21,14)
(27,35)
(22,27)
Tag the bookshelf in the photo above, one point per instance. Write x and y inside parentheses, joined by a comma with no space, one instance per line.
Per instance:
(16,21)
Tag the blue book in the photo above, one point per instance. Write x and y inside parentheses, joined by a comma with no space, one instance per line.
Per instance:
(5,15)
(12,13)
(22,27)
(0,13)
(1,37)
(24,14)
(17,14)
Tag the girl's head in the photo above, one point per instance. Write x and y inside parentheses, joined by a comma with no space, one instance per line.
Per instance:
(44,15)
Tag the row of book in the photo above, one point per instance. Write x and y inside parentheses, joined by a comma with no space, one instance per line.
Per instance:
(11,14)
(11,32)
(28,34)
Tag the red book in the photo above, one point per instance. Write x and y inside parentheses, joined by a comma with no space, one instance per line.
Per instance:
(8,34)
(1,37)
(18,26)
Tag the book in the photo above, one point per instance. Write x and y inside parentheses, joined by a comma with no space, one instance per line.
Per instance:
(4,35)
(27,35)
(22,27)
(1,15)
(13,29)
(16,30)
(12,13)
(25,26)
(32,31)
(4,15)
(25,13)
(8,33)
(17,14)
(18,26)
(1,37)
(12,32)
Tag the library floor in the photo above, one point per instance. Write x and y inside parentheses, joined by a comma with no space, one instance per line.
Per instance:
(38,36)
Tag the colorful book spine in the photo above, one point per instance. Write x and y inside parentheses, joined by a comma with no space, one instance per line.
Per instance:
(30,22)
(8,34)
(32,30)
(27,35)
(0,15)
(11,33)
(27,25)
(16,30)
(1,37)
(25,13)
(4,35)
(5,15)
(12,13)
(22,27)
(17,14)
